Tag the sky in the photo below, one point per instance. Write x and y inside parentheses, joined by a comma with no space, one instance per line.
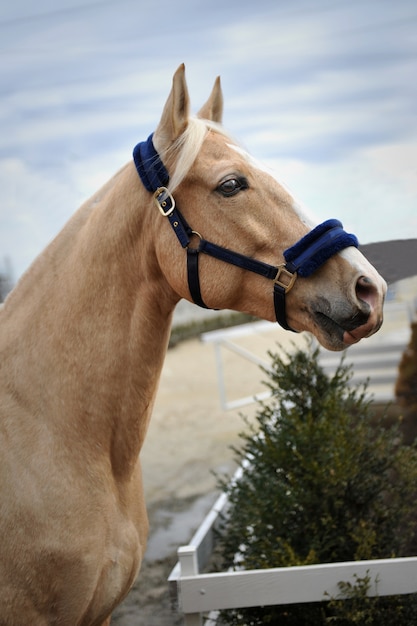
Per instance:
(323,92)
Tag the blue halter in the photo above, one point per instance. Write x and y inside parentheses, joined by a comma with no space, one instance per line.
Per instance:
(301,259)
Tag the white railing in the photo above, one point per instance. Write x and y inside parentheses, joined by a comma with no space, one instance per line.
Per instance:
(225,339)
(376,359)
(198,594)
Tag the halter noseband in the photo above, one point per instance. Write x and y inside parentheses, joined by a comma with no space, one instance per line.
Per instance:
(301,259)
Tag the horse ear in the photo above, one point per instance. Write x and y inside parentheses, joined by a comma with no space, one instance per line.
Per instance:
(176,112)
(213,109)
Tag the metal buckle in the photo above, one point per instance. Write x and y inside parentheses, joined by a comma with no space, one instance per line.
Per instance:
(289,278)
(195,233)
(164,201)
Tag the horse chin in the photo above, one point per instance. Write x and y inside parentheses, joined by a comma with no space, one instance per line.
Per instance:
(334,336)
(331,335)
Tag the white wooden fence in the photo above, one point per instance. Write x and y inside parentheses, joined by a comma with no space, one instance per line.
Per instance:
(197,594)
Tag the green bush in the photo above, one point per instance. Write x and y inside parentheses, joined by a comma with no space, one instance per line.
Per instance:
(322,484)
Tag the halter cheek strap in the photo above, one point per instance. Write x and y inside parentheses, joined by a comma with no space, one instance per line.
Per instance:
(301,259)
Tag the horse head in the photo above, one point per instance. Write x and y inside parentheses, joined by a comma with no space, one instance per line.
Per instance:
(250,246)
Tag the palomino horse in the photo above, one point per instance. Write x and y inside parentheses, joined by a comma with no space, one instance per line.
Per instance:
(84,334)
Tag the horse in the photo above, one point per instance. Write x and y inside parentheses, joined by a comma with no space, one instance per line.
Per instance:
(84,334)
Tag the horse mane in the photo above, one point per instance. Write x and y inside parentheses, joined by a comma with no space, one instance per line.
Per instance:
(187,147)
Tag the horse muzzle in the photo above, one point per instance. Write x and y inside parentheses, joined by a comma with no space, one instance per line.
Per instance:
(347,321)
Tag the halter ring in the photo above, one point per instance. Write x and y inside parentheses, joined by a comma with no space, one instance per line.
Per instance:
(196,234)
(289,278)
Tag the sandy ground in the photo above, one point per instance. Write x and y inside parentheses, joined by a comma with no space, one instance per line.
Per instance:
(189,438)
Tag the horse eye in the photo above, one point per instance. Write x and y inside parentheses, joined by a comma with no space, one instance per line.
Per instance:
(232,186)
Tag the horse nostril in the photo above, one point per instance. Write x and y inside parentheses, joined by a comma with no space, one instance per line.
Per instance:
(366,291)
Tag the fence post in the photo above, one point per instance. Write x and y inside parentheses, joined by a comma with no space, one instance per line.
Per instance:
(187,556)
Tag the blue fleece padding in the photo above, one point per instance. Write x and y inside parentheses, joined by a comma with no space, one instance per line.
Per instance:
(151,170)
(315,248)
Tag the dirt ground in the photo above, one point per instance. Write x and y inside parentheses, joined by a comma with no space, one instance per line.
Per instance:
(189,440)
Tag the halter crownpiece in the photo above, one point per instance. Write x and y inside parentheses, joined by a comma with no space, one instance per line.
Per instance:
(301,259)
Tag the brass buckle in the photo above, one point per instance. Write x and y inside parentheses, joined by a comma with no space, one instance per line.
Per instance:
(164,199)
(284,278)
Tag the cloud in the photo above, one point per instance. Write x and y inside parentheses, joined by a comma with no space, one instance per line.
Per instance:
(374,195)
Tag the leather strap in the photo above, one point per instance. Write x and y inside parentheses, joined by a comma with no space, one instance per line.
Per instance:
(279,306)
(194,277)
(240,260)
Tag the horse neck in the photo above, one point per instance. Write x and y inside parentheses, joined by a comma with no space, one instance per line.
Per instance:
(89,324)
